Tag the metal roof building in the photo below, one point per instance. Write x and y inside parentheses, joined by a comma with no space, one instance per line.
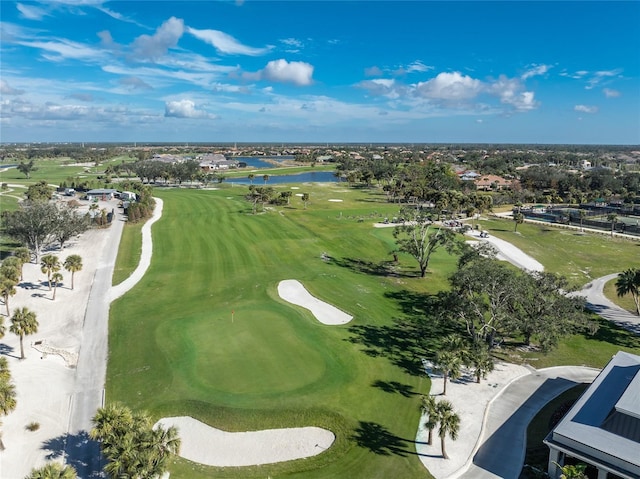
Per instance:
(602,429)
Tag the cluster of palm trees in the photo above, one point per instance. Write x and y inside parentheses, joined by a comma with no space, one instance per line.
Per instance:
(53,470)
(441,415)
(628,282)
(132,446)
(50,265)
(455,353)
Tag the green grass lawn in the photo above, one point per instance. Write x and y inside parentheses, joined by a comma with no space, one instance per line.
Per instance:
(626,301)
(129,252)
(579,257)
(175,348)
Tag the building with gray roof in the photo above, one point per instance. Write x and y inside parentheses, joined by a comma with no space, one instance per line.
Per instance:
(602,429)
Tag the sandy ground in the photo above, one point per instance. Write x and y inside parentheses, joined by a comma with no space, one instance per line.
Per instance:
(207,445)
(470,401)
(294,292)
(45,379)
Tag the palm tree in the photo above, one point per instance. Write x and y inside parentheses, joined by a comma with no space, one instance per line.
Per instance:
(583,215)
(53,470)
(482,362)
(24,255)
(11,267)
(305,199)
(628,282)
(7,395)
(49,264)
(449,363)
(251,177)
(23,322)
(613,218)
(428,406)
(73,263)
(56,278)
(265,178)
(518,219)
(7,288)
(449,423)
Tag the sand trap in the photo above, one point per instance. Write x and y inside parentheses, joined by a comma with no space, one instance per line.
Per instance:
(207,445)
(293,291)
(295,187)
(299,194)
(335,201)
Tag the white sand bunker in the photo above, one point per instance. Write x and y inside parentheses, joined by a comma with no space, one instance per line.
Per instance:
(293,291)
(336,201)
(207,445)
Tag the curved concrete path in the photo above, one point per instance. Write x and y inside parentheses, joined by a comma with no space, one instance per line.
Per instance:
(502,443)
(600,304)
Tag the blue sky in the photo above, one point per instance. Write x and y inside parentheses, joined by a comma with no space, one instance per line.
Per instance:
(325,71)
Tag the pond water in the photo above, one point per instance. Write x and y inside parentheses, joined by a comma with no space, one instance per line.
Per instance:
(308,177)
(261,161)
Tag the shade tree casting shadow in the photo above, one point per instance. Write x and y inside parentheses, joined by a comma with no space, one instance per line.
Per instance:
(410,338)
(382,268)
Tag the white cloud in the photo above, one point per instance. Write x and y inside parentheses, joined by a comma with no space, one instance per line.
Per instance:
(417,66)
(298,73)
(609,93)
(449,87)
(509,90)
(153,47)
(383,87)
(294,45)
(226,43)
(7,89)
(586,108)
(134,83)
(31,12)
(535,70)
(184,109)
(59,50)
(373,71)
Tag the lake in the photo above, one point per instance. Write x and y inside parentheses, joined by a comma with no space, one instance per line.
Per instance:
(309,177)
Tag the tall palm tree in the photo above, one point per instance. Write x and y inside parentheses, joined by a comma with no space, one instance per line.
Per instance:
(251,177)
(73,263)
(428,406)
(449,424)
(11,268)
(450,364)
(53,470)
(583,215)
(613,218)
(56,278)
(482,362)
(7,288)
(305,199)
(518,219)
(628,282)
(265,178)
(49,264)
(24,255)
(23,322)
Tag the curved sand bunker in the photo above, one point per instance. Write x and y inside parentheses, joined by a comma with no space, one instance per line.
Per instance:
(292,291)
(207,445)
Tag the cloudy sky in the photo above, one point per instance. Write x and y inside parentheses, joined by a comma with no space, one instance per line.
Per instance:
(320,71)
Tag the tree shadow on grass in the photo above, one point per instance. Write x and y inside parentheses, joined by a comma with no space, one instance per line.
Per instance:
(379,440)
(79,451)
(411,338)
(392,387)
(383,268)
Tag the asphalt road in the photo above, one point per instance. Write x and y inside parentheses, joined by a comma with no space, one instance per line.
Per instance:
(88,395)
